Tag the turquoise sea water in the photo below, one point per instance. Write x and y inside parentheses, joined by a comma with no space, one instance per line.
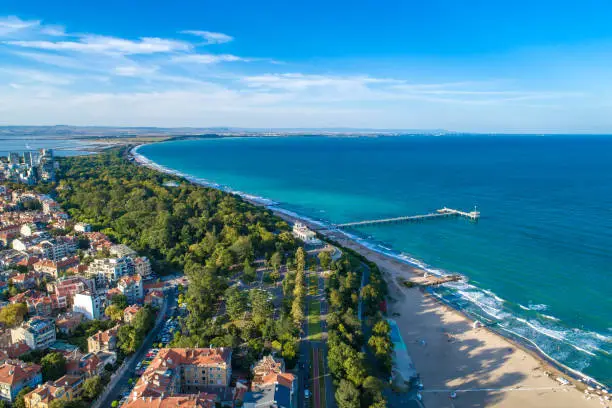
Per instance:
(539,261)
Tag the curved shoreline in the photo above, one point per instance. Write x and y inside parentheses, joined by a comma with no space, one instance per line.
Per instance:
(365,248)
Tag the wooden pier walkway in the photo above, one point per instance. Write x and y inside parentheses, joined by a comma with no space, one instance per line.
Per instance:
(443,212)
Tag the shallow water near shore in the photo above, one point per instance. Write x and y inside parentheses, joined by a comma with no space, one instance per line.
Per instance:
(538,261)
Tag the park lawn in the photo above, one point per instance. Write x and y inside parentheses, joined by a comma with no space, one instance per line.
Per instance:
(313,284)
(314,320)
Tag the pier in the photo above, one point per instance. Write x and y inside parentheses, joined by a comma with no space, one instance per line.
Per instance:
(441,213)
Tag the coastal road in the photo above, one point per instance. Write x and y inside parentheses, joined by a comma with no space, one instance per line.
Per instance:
(119,381)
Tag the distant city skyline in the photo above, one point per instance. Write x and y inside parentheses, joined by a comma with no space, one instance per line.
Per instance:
(479,67)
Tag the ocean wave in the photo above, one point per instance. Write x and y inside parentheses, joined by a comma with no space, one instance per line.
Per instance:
(536,308)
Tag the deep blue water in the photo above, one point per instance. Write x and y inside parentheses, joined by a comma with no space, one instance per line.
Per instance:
(539,261)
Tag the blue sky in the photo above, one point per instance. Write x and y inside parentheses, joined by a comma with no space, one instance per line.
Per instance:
(483,66)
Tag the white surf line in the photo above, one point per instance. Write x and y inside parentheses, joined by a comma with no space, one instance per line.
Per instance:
(498,389)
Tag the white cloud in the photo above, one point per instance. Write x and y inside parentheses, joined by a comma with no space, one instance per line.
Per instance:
(210,36)
(208,58)
(108,45)
(21,75)
(135,70)
(13,24)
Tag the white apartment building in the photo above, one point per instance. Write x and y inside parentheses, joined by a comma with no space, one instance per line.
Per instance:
(58,248)
(38,333)
(87,303)
(109,270)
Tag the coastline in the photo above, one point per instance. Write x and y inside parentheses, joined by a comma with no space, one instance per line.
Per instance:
(452,344)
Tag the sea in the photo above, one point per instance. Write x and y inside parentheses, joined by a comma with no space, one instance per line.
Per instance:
(60,146)
(538,262)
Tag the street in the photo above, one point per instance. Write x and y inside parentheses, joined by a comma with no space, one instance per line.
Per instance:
(120,380)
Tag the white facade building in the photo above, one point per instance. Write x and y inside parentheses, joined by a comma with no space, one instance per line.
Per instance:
(89,304)
(303,233)
(38,333)
(82,227)
(109,270)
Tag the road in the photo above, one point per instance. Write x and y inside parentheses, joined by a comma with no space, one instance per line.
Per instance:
(315,377)
(113,390)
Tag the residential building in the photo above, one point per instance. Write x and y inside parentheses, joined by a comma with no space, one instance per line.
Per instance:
(271,387)
(45,305)
(107,357)
(64,388)
(89,304)
(98,241)
(200,400)
(155,298)
(66,323)
(130,312)
(38,333)
(121,250)
(109,270)
(131,287)
(7,233)
(142,266)
(55,268)
(85,366)
(24,281)
(16,350)
(50,206)
(29,229)
(56,248)
(70,286)
(103,340)
(82,227)
(185,371)
(16,375)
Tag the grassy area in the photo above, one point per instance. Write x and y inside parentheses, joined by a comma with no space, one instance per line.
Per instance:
(314,320)
(313,284)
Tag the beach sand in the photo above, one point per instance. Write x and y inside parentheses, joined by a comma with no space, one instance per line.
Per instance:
(482,367)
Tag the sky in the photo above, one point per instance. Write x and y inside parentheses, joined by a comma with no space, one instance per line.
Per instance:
(469,66)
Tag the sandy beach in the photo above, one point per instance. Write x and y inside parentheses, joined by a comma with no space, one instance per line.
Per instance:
(483,368)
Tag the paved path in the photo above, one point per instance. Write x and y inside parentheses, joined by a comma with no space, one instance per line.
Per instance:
(315,378)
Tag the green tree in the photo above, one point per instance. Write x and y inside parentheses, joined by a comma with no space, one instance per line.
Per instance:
(325,259)
(290,352)
(143,320)
(114,312)
(276,260)
(12,314)
(92,387)
(235,303)
(347,395)
(300,259)
(53,366)
(372,391)
(261,308)
(120,301)
(19,400)
(249,274)
(128,339)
